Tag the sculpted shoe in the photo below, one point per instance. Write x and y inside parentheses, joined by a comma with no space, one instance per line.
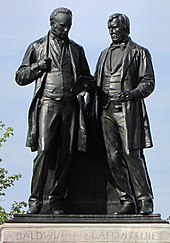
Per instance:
(127,208)
(34,210)
(146,207)
(34,205)
(58,212)
(56,205)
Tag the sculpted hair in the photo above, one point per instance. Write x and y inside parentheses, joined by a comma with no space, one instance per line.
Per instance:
(123,18)
(60,10)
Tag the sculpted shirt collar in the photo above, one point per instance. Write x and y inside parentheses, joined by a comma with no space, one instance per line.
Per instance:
(121,45)
(59,40)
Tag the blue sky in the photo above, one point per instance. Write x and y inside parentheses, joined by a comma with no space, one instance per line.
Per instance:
(22,22)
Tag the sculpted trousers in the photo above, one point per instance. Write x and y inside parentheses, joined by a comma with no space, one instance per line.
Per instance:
(127,167)
(56,129)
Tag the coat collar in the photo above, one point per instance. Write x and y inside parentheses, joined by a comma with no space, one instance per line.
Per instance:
(130,53)
(73,54)
(45,43)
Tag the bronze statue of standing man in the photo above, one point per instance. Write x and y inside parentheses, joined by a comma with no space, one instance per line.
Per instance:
(54,63)
(124,77)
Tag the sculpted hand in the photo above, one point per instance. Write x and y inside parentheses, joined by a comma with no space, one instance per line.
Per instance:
(45,65)
(126,96)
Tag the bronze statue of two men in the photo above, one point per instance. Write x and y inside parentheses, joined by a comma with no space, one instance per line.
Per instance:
(63,84)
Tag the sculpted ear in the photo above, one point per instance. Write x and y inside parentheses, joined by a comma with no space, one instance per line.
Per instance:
(51,23)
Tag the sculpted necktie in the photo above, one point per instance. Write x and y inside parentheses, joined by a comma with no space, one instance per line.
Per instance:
(121,46)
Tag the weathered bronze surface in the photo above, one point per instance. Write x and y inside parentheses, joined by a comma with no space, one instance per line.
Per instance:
(56,126)
(124,77)
(89,136)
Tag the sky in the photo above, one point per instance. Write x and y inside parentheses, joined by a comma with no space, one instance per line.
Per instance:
(22,22)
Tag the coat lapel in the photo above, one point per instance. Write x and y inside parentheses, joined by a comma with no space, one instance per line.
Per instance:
(81,143)
(44,45)
(101,64)
(74,57)
(130,53)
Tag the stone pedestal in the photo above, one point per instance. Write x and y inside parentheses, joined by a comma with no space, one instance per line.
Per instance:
(85,228)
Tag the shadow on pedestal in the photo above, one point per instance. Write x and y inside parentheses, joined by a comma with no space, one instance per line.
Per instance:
(49,218)
(89,190)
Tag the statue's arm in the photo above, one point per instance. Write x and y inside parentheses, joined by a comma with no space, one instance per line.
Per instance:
(146,78)
(84,67)
(85,72)
(29,69)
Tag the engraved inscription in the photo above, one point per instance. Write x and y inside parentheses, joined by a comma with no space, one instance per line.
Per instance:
(124,235)
(40,235)
(82,235)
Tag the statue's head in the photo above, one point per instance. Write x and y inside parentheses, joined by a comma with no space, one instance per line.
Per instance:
(119,27)
(61,21)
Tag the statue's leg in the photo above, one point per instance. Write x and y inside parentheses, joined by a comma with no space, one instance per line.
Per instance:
(48,123)
(69,111)
(115,160)
(140,181)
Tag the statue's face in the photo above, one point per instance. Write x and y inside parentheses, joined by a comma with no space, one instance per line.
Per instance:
(117,30)
(61,25)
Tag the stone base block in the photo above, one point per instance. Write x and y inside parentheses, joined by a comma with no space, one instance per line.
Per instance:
(85,232)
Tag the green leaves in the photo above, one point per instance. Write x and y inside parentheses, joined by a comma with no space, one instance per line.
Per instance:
(7,181)
(6,133)
(16,208)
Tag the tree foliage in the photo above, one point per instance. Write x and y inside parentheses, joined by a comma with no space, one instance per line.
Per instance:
(6,180)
